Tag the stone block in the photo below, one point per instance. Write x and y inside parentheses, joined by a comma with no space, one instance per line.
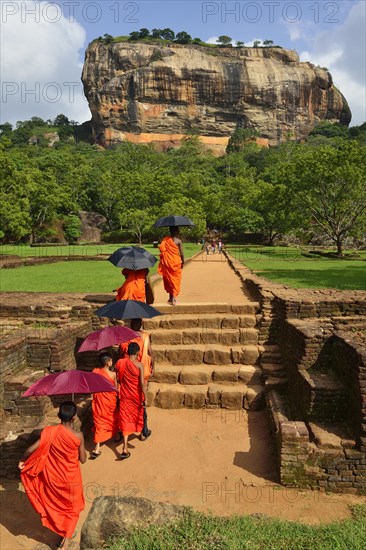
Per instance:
(250,374)
(228,373)
(230,322)
(166,374)
(247,321)
(185,356)
(195,375)
(214,394)
(171,397)
(152,391)
(210,336)
(232,397)
(195,397)
(230,338)
(248,336)
(254,398)
(246,355)
(191,337)
(167,337)
(217,356)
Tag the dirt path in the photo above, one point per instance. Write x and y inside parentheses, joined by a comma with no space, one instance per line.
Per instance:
(212,460)
(206,279)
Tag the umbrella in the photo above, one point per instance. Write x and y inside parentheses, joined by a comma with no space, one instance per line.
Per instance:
(170,221)
(127,309)
(132,257)
(72,381)
(106,337)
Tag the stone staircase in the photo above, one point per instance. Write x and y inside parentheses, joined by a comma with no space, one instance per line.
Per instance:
(206,355)
(274,374)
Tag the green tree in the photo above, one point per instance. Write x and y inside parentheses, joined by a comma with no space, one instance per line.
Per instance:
(144,33)
(167,34)
(183,38)
(224,40)
(268,43)
(256,43)
(72,228)
(330,130)
(134,36)
(156,33)
(240,138)
(61,120)
(239,44)
(139,222)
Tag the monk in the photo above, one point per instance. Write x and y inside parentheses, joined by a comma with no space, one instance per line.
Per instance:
(104,406)
(50,473)
(130,374)
(145,353)
(134,286)
(171,264)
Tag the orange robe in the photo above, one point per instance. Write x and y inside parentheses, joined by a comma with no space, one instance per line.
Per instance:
(105,413)
(134,286)
(143,356)
(131,411)
(170,266)
(52,480)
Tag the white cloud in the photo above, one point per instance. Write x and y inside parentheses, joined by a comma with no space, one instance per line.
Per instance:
(40,64)
(343,52)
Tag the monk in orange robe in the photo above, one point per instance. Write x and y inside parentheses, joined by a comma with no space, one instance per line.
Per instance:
(132,393)
(171,264)
(104,406)
(50,473)
(145,354)
(134,286)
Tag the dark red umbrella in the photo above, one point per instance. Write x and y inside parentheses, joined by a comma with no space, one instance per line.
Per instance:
(72,381)
(106,337)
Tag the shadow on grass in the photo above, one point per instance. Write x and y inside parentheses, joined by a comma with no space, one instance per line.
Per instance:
(349,278)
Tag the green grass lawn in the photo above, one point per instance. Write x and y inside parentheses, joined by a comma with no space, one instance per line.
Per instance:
(299,269)
(75,276)
(198,532)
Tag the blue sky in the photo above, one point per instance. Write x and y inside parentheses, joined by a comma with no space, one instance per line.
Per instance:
(43,43)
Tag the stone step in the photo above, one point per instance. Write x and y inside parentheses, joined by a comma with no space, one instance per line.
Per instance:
(205,321)
(273,369)
(204,374)
(275,383)
(271,358)
(248,308)
(201,335)
(235,396)
(196,354)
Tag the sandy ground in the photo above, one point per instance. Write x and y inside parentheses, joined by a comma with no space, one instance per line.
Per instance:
(212,460)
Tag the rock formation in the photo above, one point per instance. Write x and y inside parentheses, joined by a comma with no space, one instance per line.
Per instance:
(145,92)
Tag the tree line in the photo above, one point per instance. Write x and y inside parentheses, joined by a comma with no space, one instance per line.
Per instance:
(306,189)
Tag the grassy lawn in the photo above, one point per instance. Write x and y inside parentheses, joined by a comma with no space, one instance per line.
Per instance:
(76,276)
(299,269)
(198,532)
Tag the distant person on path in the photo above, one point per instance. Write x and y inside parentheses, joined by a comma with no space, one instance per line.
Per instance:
(145,354)
(213,246)
(134,286)
(130,374)
(50,473)
(220,246)
(104,406)
(171,264)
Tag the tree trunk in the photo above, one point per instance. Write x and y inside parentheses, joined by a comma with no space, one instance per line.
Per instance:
(339,246)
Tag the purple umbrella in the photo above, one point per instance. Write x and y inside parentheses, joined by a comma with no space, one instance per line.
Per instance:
(106,337)
(72,381)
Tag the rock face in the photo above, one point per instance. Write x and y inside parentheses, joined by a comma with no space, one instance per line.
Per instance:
(116,516)
(146,92)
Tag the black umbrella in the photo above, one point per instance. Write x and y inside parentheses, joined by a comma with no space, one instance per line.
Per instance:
(171,221)
(132,257)
(127,309)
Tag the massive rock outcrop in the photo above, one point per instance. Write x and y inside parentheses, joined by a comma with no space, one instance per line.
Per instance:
(146,92)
